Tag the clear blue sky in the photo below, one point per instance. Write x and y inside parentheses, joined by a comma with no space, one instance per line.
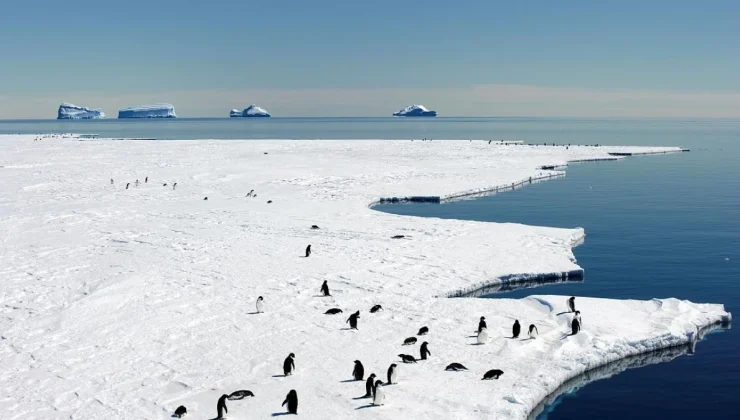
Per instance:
(81,51)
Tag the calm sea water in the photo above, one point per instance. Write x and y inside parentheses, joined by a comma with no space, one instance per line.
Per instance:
(658,226)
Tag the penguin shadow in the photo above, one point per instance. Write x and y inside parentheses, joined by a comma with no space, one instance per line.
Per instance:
(366,406)
(348,380)
(527,339)
(253,313)
(566,335)
(283,413)
(278,376)
(348,329)
(564,313)
(361,398)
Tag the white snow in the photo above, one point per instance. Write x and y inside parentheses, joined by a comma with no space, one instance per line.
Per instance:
(148,111)
(128,303)
(69,111)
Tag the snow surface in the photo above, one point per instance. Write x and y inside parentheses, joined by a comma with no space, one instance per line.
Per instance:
(415,111)
(250,111)
(128,303)
(148,111)
(69,111)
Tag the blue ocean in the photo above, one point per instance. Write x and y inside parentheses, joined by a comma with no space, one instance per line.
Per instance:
(656,226)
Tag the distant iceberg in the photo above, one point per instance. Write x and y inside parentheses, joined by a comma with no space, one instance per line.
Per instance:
(68,111)
(415,111)
(250,111)
(148,111)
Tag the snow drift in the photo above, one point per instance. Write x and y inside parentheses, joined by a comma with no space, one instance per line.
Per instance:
(69,111)
(148,111)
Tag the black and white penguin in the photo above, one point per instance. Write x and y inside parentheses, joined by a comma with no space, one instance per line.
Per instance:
(249,194)
(425,351)
(359,371)
(173,185)
(164,185)
(292,400)
(422,331)
(146,179)
(482,324)
(314,226)
(376,308)
(221,406)
(392,373)
(324,285)
(575,326)
(204,198)
(127,184)
(241,394)
(493,374)
(260,305)
(180,411)
(136,183)
(455,367)
(533,333)
(572,304)
(516,329)
(289,365)
(409,341)
(369,386)
(333,311)
(353,320)
(482,336)
(378,393)
(270,202)
(111,182)
(578,317)
(308,251)
(407,358)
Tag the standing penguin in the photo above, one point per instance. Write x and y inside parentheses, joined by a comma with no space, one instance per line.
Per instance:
(533,333)
(379,396)
(173,185)
(392,374)
(572,304)
(369,386)
(353,320)
(292,400)
(482,324)
(578,317)
(289,365)
(425,351)
(137,183)
(146,180)
(127,184)
(308,251)
(221,406)
(575,326)
(325,288)
(111,181)
(260,305)
(483,336)
(359,371)
(516,329)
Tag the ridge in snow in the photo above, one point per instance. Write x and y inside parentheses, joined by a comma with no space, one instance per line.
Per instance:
(148,111)
(69,111)
(415,111)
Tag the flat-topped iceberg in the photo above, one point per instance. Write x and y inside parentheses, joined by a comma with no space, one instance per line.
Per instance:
(250,111)
(69,111)
(148,111)
(415,111)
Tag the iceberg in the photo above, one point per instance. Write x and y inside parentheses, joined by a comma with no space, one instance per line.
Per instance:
(415,111)
(69,111)
(250,111)
(148,111)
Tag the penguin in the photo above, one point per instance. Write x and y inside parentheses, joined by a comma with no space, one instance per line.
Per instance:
(408,341)
(204,198)
(369,389)
(379,396)
(333,311)
(314,227)
(407,358)
(292,400)
(483,336)
(289,365)
(308,251)
(164,185)
(249,194)
(127,184)
(270,202)
(482,324)
(493,374)
(111,182)
(572,304)
(136,183)
(455,367)
(146,179)
(353,320)
(359,371)
(575,326)
(578,317)
(324,285)
(260,305)
(425,351)
(516,329)
(376,308)
(392,373)
(180,411)
(241,394)
(173,185)
(221,406)
(422,331)
(398,236)
(533,333)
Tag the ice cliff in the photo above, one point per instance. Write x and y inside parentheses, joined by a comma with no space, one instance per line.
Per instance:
(69,111)
(148,111)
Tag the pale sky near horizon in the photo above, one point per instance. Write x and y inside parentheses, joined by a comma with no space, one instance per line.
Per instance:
(347,58)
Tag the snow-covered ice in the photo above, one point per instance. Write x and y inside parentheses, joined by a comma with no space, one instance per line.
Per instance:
(69,111)
(250,111)
(415,111)
(148,111)
(128,303)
